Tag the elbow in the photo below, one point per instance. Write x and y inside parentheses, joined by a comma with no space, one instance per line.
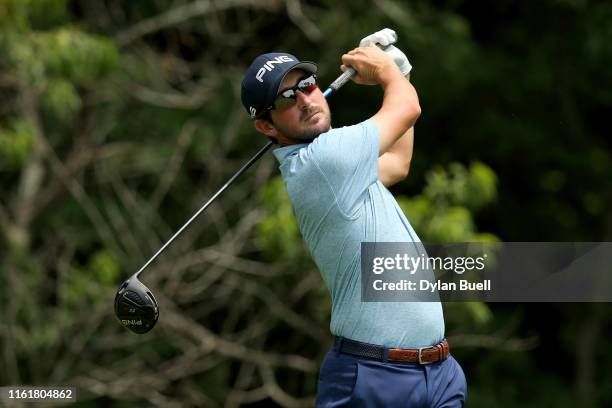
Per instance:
(412,111)
(401,171)
(397,176)
(404,170)
(417,110)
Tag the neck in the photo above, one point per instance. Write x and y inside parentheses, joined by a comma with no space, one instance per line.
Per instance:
(288,141)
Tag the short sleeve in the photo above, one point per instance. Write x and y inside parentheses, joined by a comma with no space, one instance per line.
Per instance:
(348,158)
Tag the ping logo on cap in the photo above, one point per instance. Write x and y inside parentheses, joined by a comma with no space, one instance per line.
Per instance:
(269,66)
(253,111)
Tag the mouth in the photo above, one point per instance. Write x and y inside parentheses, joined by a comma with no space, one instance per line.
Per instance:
(312,115)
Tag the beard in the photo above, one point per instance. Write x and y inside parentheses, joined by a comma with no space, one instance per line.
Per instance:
(308,133)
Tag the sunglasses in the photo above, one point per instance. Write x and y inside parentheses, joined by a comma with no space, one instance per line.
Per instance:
(288,97)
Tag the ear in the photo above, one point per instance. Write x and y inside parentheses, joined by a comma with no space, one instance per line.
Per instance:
(265,127)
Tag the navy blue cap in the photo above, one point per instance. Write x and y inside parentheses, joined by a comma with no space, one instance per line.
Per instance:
(263,78)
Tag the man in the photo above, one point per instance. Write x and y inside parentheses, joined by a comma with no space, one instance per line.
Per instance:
(386,354)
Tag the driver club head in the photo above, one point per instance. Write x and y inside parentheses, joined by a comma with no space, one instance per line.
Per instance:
(135,306)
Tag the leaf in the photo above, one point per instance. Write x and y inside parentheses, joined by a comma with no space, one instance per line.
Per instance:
(454,224)
(417,209)
(75,55)
(104,266)
(16,144)
(481,186)
(61,99)
(277,233)
(479,312)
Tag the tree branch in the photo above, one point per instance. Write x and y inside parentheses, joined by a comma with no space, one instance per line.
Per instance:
(183,13)
(310,30)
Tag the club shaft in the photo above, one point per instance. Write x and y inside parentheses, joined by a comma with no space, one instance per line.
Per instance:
(339,82)
(205,206)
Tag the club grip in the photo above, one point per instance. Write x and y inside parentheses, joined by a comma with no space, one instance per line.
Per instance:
(346,76)
(343,79)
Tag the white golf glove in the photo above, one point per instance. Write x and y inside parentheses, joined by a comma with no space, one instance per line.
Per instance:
(385,37)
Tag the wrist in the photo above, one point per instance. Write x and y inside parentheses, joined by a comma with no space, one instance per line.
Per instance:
(389,74)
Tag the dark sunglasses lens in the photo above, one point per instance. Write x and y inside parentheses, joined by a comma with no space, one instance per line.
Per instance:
(287,98)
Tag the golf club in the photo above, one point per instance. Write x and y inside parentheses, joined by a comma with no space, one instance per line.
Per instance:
(135,305)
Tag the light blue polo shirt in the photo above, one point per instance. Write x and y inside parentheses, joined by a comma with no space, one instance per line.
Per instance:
(339,203)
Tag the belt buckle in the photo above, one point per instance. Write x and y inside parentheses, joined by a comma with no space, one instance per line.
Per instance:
(421,356)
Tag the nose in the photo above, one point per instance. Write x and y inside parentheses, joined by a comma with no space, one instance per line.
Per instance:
(303,100)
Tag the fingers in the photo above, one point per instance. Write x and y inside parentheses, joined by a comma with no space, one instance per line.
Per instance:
(383,37)
(353,58)
(354,53)
(361,54)
(348,57)
(388,36)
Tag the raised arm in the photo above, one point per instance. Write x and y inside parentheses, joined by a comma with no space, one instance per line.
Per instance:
(394,165)
(400,107)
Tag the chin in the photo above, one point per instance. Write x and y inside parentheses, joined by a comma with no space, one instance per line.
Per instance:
(323,125)
(314,131)
(310,132)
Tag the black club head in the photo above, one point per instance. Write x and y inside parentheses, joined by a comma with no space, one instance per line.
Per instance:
(135,306)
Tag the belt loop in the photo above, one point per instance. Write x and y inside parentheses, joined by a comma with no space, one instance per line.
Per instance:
(338,344)
(385,354)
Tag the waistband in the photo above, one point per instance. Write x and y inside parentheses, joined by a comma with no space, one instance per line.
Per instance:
(422,355)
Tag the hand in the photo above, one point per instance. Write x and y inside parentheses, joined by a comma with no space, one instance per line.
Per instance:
(372,64)
(386,37)
(383,37)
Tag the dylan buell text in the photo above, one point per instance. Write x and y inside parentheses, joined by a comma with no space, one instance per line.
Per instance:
(429,286)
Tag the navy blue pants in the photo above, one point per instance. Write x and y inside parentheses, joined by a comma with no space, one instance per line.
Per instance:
(348,381)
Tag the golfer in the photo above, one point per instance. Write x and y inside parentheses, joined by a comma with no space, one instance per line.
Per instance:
(386,354)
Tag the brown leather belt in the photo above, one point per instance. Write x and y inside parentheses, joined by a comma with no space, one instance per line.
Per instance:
(423,355)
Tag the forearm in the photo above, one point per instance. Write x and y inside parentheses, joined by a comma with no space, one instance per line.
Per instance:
(402,100)
(403,145)
(394,165)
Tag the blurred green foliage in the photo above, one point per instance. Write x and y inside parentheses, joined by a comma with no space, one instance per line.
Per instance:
(66,53)
(444,211)
(16,143)
(36,14)
(277,232)
(74,55)
(61,99)
(105,267)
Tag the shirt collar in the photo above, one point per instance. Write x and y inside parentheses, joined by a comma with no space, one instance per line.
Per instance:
(284,152)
